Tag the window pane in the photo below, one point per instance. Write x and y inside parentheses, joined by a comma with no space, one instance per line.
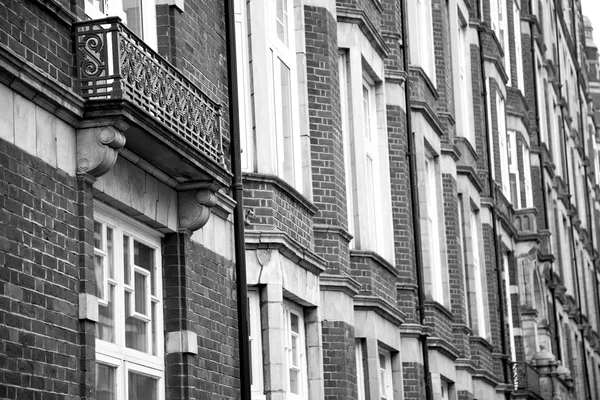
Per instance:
(294,381)
(99,275)
(126,266)
(294,322)
(366,114)
(282,22)
(98,235)
(154,343)
(144,257)
(110,252)
(140,293)
(136,336)
(99,4)
(133,11)
(105,382)
(295,351)
(105,328)
(286,123)
(142,387)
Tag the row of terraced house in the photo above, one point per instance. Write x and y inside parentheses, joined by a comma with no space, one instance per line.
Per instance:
(307,199)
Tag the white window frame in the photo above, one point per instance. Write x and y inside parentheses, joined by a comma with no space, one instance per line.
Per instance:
(464,98)
(348,151)
(384,376)
(503,146)
(423,53)
(480,303)
(274,140)
(513,166)
(511,329)
(116,354)
(433,229)
(527,178)
(255,338)
(302,368)
(518,46)
(115,8)
(503,36)
(360,370)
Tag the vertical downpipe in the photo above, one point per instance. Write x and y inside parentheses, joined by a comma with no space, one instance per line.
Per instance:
(238,195)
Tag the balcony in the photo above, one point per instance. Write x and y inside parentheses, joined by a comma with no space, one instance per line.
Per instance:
(166,119)
(525,378)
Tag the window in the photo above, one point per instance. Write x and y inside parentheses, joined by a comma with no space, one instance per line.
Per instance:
(518,47)
(422,54)
(269,97)
(513,169)
(386,389)
(463,84)
(129,333)
(503,37)
(432,220)
(528,201)
(255,341)
(476,296)
(138,15)
(507,294)
(360,370)
(297,387)
(503,145)
(365,158)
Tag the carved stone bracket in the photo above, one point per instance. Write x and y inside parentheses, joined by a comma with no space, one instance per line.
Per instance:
(97,149)
(194,208)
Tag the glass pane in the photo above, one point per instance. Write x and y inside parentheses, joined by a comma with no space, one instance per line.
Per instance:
(140,293)
(295,351)
(366,114)
(136,336)
(294,381)
(127,303)
(99,275)
(98,235)
(142,387)
(281,21)
(154,343)
(143,256)
(126,266)
(105,328)
(286,122)
(133,12)
(294,322)
(105,382)
(110,251)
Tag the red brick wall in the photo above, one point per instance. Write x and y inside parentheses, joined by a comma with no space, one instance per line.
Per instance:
(40,217)
(339,360)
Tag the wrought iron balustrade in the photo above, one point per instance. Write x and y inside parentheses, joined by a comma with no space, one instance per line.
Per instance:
(525,377)
(114,64)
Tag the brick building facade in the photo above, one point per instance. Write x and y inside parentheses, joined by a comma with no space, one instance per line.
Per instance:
(421,200)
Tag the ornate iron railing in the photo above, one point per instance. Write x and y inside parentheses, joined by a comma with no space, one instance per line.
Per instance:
(525,377)
(113,63)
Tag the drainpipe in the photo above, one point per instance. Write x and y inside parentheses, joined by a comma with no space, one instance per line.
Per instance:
(238,195)
(412,166)
(491,184)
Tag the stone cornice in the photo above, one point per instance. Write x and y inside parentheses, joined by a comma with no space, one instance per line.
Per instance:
(371,32)
(288,247)
(335,229)
(36,86)
(67,17)
(339,283)
(380,307)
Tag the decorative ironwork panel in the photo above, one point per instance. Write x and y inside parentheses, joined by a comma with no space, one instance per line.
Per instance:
(113,63)
(525,377)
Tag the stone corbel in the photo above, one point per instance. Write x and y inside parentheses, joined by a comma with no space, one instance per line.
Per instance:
(97,149)
(195,208)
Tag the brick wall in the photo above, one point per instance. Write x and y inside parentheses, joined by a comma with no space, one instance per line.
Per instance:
(326,139)
(36,35)
(40,218)
(339,360)
(200,296)
(414,383)
(376,277)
